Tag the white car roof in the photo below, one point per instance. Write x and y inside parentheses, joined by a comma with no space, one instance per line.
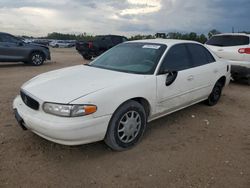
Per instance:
(168,42)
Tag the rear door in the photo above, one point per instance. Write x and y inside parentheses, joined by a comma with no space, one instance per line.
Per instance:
(205,71)
(228,46)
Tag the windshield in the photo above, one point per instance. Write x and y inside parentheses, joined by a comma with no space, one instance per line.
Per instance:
(138,58)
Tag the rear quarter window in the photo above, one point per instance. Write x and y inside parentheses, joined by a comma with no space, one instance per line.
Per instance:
(199,55)
(228,40)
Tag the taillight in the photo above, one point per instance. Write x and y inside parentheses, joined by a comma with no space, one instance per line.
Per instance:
(244,50)
(90,44)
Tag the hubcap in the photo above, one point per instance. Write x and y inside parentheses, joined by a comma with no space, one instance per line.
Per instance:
(129,126)
(37,59)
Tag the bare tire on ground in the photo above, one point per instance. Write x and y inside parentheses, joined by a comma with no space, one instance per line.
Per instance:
(126,127)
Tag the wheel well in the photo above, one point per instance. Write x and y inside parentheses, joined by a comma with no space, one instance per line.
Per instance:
(222,80)
(144,103)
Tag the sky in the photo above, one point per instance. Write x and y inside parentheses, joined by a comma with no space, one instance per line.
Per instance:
(124,17)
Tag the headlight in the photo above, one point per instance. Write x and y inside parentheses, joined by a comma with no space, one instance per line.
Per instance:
(69,110)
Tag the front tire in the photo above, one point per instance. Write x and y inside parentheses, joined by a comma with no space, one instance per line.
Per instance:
(214,97)
(37,59)
(126,127)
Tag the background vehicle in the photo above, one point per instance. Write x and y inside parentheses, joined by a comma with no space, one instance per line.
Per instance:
(150,78)
(100,44)
(62,44)
(234,47)
(13,49)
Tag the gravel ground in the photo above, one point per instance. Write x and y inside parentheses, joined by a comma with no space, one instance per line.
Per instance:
(197,147)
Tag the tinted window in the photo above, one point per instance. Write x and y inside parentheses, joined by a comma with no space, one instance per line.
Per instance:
(177,59)
(227,40)
(210,58)
(198,54)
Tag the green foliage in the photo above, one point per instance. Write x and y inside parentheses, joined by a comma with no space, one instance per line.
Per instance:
(61,36)
(187,36)
(213,32)
(140,37)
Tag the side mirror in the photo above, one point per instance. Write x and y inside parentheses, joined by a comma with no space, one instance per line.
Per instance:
(171,77)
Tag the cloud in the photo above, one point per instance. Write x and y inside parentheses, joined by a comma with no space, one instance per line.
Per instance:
(126,17)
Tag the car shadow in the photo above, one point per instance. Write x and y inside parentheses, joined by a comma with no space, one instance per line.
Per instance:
(242,82)
(100,149)
(19,64)
(7,65)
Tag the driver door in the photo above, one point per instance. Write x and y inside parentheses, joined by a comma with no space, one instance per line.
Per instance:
(178,94)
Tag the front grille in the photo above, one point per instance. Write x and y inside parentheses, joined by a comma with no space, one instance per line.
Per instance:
(30,102)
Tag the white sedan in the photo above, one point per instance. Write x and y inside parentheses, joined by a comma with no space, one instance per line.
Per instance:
(115,96)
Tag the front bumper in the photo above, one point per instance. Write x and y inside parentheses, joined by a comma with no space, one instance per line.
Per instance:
(66,131)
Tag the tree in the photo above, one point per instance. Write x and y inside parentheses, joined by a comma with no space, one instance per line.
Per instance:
(213,32)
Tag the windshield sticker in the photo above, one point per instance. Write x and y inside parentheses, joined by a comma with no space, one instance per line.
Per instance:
(156,47)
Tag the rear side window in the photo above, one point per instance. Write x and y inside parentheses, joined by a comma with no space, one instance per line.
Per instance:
(177,58)
(228,40)
(200,55)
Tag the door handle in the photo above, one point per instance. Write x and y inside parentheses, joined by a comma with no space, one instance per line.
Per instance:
(190,78)
(220,50)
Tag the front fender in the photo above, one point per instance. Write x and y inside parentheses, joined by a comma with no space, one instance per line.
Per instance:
(109,99)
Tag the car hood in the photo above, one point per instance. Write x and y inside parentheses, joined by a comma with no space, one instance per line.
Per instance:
(66,85)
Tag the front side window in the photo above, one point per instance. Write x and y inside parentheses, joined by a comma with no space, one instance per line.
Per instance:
(138,58)
(199,55)
(177,59)
(228,40)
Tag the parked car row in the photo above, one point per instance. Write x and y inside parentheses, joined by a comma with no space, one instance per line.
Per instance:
(234,47)
(62,43)
(151,79)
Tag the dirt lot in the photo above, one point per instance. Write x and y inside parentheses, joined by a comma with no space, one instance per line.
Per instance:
(197,147)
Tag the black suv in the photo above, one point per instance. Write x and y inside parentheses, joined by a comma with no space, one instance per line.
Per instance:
(100,44)
(13,49)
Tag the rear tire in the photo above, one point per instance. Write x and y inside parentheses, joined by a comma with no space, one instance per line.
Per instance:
(36,59)
(214,97)
(126,127)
